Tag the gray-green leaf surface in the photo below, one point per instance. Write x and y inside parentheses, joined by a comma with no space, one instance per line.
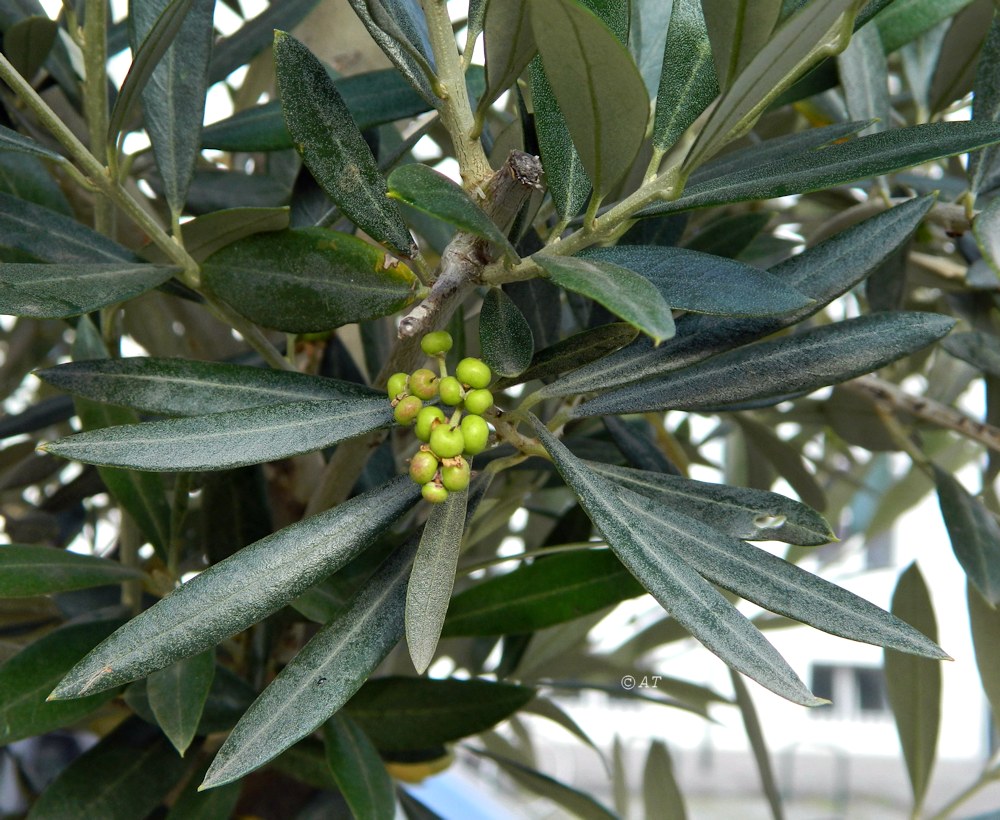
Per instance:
(185,387)
(29,569)
(703,283)
(239,591)
(322,676)
(177,696)
(637,539)
(332,146)
(600,91)
(229,439)
(792,364)
(623,292)
(55,291)
(504,335)
(428,592)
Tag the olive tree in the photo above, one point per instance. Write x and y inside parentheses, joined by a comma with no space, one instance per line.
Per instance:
(297,370)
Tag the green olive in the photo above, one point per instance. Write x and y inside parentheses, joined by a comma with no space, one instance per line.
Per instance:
(476,433)
(434,492)
(450,390)
(473,372)
(478,401)
(436,343)
(427,420)
(407,409)
(455,476)
(447,442)
(423,467)
(397,384)
(424,383)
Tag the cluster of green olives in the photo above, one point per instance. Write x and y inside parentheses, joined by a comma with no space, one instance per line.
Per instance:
(440,465)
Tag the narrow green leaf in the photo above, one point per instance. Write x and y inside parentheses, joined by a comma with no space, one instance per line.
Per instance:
(984,621)
(600,90)
(818,30)
(230,439)
(423,188)
(974,534)
(208,233)
(52,237)
(661,794)
(56,291)
(184,387)
(769,581)
(741,512)
(633,527)
(428,592)
(688,82)
(958,59)
(575,351)
(776,148)
(359,771)
(914,685)
(141,495)
(985,226)
(821,273)
(400,713)
(509,44)
(905,20)
(177,696)
(981,350)
(143,769)
(27,570)
(28,42)
(13,141)
(238,592)
(755,734)
(28,178)
(28,677)
(984,165)
(154,45)
(882,153)
(565,177)
(173,99)
(864,76)
(227,700)
(626,294)
(559,588)
(504,335)
(322,676)
(703,283)
(799,363)
(738,29)
(373,98)
(401,33)
(309,279)
(577,803)
(332,146)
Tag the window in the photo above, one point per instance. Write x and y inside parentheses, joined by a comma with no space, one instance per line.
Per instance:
(856,692)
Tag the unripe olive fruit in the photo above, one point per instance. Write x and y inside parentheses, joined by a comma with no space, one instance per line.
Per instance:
(473,372)
(478,401)
(447,442)
(455,477)
(423,467)
(437,342)
(407,409)
(450,390)
(426,419)
(434,493)
(424,383)
(397,384)
(476,433)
